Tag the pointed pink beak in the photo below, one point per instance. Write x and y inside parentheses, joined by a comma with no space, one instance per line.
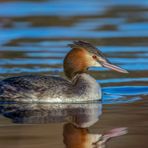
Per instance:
(113,67)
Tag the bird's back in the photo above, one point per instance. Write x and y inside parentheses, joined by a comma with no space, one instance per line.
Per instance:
(33,87)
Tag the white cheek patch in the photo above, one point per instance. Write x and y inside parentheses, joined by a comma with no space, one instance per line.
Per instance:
(92,62)
(96,64)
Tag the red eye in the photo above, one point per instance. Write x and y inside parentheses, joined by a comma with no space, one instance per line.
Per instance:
(94,57)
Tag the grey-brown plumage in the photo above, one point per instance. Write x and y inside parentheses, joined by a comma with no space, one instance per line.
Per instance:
(28,86)
(43,89)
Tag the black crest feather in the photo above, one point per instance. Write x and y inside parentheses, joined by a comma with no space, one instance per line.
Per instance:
(86,45)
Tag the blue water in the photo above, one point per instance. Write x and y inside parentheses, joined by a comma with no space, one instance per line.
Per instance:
(34,36)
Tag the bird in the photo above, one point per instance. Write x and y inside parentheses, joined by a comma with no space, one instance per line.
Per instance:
(79,86)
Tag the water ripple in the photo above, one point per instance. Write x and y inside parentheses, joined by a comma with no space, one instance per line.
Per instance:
(127,90)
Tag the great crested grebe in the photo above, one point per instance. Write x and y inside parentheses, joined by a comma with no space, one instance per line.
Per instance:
(80,86)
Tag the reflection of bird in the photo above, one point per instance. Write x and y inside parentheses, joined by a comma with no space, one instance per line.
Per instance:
(80,114)
(76,137)
(80,87)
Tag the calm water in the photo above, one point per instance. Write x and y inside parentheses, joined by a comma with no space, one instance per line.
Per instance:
(33,39)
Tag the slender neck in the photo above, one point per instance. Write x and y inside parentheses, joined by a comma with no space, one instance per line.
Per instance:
(85,86)
(74,63)
(83,79)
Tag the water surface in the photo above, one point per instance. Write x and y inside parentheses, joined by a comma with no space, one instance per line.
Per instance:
(33,39)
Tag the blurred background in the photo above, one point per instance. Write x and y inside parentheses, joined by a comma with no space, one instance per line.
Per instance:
(33,39)
(34,33)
